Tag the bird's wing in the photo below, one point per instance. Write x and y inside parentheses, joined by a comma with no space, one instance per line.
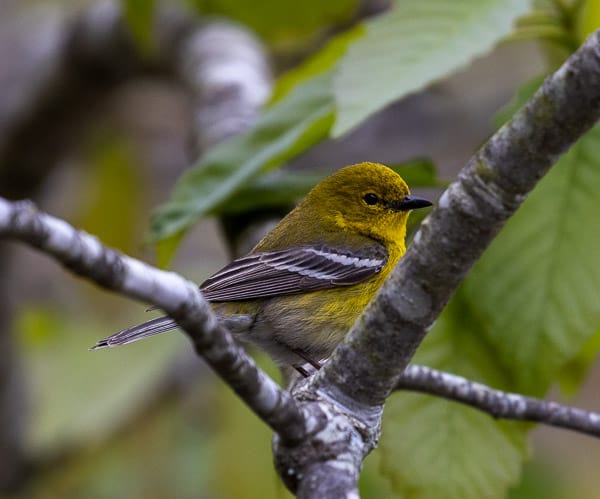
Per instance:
(294,270)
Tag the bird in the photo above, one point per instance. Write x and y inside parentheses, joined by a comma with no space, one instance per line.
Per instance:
(300,289)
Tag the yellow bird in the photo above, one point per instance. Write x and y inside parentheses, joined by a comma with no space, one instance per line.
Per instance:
(298,292)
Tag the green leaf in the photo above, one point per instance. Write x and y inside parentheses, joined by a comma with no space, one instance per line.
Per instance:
(162,450)
(538,285)
(572,374)
(274,190)
(282,188)
(165,249)
(282,20)
(293,124)
(117,381)
(111,195)
(139,16)
(370,482)
(322,61)
(420,172)
(540,481)
(412,46)
(242,449)
(587,18)
(433,447)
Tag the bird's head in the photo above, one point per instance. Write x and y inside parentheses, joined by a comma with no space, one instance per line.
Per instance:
(367,198)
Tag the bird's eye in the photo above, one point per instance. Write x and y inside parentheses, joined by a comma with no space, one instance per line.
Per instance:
(371,198)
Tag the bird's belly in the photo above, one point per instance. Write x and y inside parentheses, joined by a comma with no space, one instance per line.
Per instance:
(314,323)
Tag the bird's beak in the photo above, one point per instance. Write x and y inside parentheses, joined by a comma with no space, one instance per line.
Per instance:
(412,203)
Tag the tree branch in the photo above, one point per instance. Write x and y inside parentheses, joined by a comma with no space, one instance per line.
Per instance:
(497,403)
(181,299)
(227,72)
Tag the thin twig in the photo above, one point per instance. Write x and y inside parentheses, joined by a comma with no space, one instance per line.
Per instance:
(498,404)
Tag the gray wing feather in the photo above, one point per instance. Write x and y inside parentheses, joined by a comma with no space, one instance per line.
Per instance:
(271,273)
(291,271)
(139,332)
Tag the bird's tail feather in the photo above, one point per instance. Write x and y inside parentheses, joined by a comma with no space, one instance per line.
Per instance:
(139,332)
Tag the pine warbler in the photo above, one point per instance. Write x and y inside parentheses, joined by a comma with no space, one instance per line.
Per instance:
(299,291)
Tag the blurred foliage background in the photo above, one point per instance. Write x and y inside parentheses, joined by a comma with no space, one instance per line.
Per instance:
(416,85)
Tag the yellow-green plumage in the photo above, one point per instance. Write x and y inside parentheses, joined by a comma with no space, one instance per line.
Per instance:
(299,291)
(335,214)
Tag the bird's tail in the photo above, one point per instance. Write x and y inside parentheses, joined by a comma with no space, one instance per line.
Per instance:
(139,332)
